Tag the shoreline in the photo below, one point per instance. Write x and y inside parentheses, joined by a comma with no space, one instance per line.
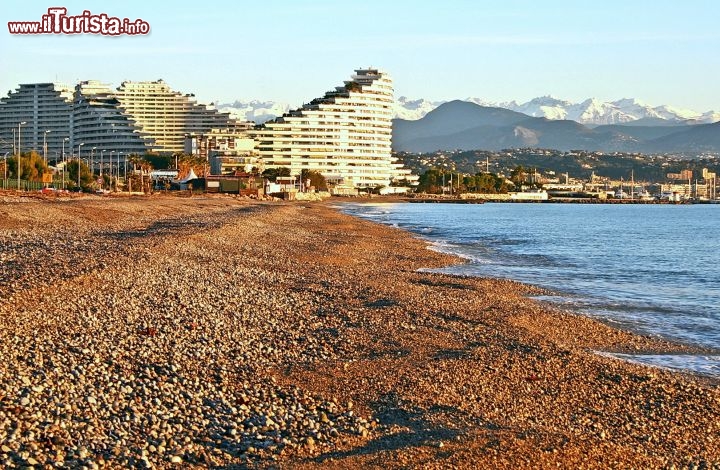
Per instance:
(293,335)
(686,347)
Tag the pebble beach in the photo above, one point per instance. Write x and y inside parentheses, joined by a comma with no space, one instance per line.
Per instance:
(169,332)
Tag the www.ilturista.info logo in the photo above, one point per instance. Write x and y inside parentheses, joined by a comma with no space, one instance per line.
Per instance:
(57,21)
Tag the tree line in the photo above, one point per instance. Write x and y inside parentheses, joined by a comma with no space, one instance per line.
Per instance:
(33,167)
(437,181)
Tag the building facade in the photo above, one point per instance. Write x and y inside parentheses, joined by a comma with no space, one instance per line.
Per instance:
(228,152)
(135,118)
(166,116)
(46,109)
(345,135)
(100,123)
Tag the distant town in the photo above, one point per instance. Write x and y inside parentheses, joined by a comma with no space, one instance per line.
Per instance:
(570,174)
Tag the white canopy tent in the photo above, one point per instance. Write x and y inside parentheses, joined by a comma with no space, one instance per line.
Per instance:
(190,176)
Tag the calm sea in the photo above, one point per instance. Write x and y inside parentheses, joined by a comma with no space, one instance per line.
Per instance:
(653,269)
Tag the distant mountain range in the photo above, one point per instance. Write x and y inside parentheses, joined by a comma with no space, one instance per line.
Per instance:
(590,112)
(595,112)
(627,125)
(258,111)
(468,126)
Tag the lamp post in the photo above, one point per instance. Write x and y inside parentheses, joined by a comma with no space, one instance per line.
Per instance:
(92,162)
(45,149)
(79,160)
(111,172)
(64,162)
(18,153)
(102,181)
(5,167)
(45,145)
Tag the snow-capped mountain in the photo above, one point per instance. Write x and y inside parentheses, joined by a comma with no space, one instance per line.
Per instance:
(708,117)
(258,111)
(595,112)
(544,106)
(261,111)
(591,111)
(412,110)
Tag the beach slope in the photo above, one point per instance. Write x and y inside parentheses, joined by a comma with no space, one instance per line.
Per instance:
(154,332)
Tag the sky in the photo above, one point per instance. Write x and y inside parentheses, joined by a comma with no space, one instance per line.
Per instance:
(660,52)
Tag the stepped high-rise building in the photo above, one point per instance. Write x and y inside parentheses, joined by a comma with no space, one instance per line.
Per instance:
(345,135)
(43,107)
(166,116)
(100,122)
(135,118)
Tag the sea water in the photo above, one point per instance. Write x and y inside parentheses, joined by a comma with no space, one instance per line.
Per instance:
(652,269)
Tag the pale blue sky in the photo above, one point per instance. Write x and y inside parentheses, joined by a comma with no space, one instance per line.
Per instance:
(662,52)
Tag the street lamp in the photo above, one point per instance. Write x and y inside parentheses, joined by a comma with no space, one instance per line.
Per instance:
(19,151)
(92,162)
(64,162)
(111,154)
(102,181)
(45,145)
(79,160)
(5,167)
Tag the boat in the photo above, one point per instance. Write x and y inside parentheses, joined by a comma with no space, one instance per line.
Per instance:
(644,195)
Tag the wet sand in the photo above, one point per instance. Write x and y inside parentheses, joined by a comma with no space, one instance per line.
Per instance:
(156,332)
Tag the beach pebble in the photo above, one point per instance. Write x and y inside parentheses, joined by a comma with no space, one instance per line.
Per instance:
(208,333)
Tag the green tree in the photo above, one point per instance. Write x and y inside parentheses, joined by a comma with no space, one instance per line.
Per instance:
(432,181)
(485,183)
(273,173)
(401,183)
(518,175)
(353,86)
(32,166)
(316,179)
(160,162)
(86,178)
(187,162)
(139,182)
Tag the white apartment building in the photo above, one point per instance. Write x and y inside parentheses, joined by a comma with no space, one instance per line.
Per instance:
(135,118)
(100,123)
(345,135)
(166,116)
(43,107)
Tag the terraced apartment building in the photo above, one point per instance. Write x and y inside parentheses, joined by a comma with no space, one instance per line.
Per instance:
(101,123)
(134,118)
(45,109)
(345,135)
(165,116)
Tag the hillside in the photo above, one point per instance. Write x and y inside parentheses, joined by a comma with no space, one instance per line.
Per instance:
(467,126)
